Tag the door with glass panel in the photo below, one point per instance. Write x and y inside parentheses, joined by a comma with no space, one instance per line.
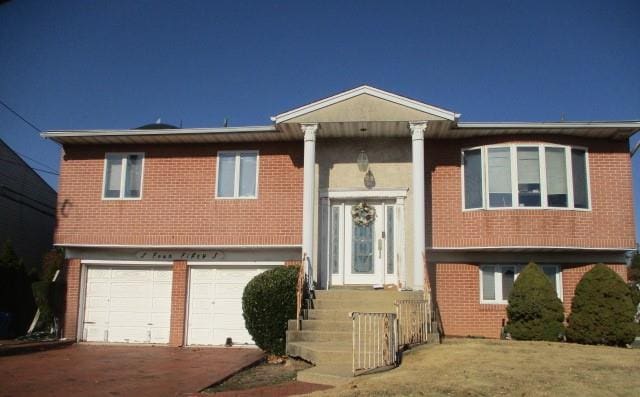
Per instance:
(363,252)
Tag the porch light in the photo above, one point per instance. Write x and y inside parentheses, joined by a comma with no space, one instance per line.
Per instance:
(369,180)
(363,161)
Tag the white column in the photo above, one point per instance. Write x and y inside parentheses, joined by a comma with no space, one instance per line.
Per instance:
(308,191)
(417,151)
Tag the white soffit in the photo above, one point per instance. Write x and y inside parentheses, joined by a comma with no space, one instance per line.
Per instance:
(365,90)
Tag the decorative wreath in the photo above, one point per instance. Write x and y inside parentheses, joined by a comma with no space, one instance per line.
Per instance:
(363,214)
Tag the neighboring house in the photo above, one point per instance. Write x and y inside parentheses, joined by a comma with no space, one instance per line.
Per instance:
(163,228)
(27,208)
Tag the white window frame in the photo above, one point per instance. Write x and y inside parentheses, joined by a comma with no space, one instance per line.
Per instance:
(236,178)
(514,176)
(500,268)
(123,174)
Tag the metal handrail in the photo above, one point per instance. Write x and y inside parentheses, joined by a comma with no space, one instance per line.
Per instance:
(414,324)
(375,341)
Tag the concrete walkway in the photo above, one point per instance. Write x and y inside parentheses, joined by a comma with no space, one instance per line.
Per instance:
(107,370)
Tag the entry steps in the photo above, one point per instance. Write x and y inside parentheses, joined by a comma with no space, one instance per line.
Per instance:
(325,335)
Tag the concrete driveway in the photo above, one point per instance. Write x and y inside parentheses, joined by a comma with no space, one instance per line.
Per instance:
(107,370)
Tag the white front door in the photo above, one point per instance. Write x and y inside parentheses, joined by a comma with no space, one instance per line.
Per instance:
(363,253)
(127,304)
(215,305)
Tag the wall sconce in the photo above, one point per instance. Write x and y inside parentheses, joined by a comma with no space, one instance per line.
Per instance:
(363,161)
(369,180)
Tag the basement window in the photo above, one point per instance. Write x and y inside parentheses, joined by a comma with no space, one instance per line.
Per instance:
(496,281)
(123,176)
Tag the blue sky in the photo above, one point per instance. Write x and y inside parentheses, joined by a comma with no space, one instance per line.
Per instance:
(105,64)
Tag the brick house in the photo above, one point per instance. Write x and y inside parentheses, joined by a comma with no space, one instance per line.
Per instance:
(164,227)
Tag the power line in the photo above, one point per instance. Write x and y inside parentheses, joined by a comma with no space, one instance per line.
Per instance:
(19,116)
(29,167)
(38,162)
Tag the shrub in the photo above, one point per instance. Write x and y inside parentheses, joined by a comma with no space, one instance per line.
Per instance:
(602,310)
(268,302)
(15,290)
(534,310)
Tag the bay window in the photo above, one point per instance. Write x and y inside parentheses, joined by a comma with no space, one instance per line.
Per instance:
(525,176)
(496,281)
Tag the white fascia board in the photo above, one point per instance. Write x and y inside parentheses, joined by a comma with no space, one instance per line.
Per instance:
(204,247)
(559,124)
(522,247)
(177,131)
(365,89)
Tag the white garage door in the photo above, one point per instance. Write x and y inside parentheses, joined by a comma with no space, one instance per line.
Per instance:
(127,304)
(215,305)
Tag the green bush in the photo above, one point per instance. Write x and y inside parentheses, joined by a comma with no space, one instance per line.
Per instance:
(534,310)
(602,311)
(268,302)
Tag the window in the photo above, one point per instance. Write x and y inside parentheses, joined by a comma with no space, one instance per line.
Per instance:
(496,281)
(334,243)
(123,176)
(525,176)
(472,160)
(499,177)
(237,174)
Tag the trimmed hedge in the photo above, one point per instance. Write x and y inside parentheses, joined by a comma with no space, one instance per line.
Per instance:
(268,302)
(602,311)
(534,310)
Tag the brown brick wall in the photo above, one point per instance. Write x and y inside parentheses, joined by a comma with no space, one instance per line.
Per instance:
(178,303)
(457,291)
(72,271)
(178,206)
(608,225)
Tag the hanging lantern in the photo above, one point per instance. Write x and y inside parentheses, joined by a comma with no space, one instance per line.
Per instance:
(363,161)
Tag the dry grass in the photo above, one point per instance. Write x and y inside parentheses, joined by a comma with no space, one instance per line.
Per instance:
(468,367)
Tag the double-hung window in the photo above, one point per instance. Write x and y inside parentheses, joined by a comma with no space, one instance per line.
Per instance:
(237,175)
(496,281)
(123,176)
(525,176)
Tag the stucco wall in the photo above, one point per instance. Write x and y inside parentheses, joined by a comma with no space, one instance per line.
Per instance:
(390,163)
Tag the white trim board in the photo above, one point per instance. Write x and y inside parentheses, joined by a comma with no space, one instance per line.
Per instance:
(365,89)
(528,247)
(179,246)
(364,193)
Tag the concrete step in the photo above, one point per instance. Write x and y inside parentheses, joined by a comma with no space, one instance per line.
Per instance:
(328,315)
(333,375)
(345,325)
(371,306)
(319,336)
(324,353)
(367,294)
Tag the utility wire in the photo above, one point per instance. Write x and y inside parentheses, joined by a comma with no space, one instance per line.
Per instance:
(29,167)
(19,116)
(37,162)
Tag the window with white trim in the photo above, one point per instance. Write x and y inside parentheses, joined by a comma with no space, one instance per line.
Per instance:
(496,281)
(525,176)
(237,175)
(122,176)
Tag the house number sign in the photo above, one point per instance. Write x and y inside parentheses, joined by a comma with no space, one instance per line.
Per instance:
(181,255)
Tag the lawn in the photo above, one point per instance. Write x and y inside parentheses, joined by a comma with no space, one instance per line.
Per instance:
(472,367)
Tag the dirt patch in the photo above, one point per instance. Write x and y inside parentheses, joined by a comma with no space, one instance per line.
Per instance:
(263,374)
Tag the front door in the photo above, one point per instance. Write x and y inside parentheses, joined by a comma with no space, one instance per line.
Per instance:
(362,243)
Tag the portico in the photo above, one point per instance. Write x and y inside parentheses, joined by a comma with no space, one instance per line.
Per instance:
(364,186)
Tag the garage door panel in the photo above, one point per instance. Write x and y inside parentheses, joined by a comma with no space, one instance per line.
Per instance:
(211,323)
(132,274)
(128,334)
(97,288)
(160,319)
(127,305)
